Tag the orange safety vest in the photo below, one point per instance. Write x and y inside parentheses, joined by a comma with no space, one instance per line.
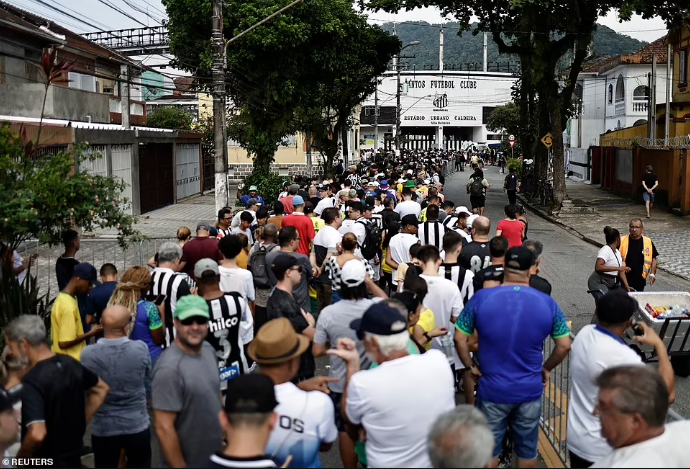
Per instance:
(647,250)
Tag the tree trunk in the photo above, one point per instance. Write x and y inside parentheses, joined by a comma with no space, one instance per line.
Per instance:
(559,192)
(262,162)
(343,135)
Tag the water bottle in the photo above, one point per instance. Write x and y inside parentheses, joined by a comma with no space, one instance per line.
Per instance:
(448,348)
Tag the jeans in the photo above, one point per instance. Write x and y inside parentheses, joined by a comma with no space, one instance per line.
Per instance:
(137,446)
(336,297)
(523,420)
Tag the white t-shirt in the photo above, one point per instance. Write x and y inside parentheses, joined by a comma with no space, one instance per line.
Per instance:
(397,403)
(408,207)
(594,350)
(16,263)
(399,247)
(445,301)
(305,421)
(248,232)
(237,280)
(323,204)
(328,237)
(236,219)
(669,449)
(611,259)
(353,226)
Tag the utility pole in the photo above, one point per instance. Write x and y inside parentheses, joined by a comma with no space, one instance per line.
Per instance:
(376,117)
(652,98)
(124,96)
(219,127)
(440,50)
(397,108)
(667,122)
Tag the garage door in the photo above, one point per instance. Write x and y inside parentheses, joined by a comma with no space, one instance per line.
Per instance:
(188,177)
(122,168)
(156,176)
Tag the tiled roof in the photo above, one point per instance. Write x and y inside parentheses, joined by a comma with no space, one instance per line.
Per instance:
(642,56)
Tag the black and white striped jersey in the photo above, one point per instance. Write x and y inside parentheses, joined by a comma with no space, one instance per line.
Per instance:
(230,329)
(174,285)
(378,219)
(431,232)
(450,222)
(460,276)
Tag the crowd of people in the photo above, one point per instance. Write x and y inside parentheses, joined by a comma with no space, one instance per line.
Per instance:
(211,349)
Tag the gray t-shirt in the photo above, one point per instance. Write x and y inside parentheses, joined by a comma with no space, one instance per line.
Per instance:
(301,291)
(124,365)
(189,386)
(334,323)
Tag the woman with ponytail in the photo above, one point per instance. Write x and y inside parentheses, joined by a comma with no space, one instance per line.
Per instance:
(609,271)
(147,324)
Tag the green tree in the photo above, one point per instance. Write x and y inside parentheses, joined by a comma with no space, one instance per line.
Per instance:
(284,69)
(169,118)
(540,33)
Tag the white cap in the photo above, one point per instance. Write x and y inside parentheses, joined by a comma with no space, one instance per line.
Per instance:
(401,180)
(409,171)
(462,209)
(353,273)
(471,220)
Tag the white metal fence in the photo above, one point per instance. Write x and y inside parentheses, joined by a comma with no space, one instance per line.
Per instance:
(94,251)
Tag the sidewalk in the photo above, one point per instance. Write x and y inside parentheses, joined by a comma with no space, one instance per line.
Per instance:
(594,208)
(164,222)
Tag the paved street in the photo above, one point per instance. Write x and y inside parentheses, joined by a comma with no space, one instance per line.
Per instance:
(568,261)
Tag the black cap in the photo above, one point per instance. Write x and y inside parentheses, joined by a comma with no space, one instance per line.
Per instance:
(282,263)
(85,271)
(519,258)
(250,394)
(380,319)
(409,220)
(202,227)
(369,203)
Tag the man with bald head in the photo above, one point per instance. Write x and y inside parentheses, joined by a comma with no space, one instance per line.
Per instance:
(122,421)
(476,255)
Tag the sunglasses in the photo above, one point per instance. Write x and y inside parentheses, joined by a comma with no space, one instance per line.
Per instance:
(200,320)
(298,268)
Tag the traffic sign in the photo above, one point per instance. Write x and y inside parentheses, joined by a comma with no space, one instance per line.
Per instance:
(546,140)
(512,143)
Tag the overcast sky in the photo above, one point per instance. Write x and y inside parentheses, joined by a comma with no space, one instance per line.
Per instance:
(97,13)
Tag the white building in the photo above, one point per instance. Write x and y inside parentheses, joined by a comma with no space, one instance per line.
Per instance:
(438,109)
(614,95)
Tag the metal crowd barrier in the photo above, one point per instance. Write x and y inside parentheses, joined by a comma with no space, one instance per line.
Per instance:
(96,251)
(554,412)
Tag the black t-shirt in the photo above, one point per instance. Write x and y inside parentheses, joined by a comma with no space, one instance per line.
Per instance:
(475,256)
(511,182)
(540,284)
(314,200)
(649,180)
(284,305)
(64,268)
(493,272)
(635,257)
(53,393)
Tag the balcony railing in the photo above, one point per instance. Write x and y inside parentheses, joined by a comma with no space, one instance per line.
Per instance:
(640,106)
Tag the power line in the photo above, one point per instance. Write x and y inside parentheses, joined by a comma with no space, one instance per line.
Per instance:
(122,12)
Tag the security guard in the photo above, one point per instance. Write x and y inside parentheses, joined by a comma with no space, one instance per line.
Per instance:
(640,254)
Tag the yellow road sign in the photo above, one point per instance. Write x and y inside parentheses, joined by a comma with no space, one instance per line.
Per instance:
(546,140)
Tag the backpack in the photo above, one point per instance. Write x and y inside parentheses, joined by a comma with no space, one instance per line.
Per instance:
(372,240)
(258,267)
(477,188)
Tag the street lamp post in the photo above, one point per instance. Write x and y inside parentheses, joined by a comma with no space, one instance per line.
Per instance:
(398,110)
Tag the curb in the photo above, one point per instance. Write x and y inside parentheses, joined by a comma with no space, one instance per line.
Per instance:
(550,218)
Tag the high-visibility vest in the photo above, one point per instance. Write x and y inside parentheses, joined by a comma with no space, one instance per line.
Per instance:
(647,250)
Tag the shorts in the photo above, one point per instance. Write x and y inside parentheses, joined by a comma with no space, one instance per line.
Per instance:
(648,197)
(337,398)
(523,420)
(477,201)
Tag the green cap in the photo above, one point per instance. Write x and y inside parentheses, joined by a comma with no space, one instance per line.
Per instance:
(190,306)
(253,188)
(410,184)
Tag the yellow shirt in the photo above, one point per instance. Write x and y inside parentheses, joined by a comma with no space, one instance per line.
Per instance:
(242,259)
(427,322)
(318,223)
(66,325)
(385,267)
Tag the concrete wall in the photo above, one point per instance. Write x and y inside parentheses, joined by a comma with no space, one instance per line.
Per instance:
(237,172)
(25,100)
(579,162)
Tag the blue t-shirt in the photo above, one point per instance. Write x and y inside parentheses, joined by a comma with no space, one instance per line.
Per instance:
(99,297)
(148,318)
(245,198)
(512,323)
